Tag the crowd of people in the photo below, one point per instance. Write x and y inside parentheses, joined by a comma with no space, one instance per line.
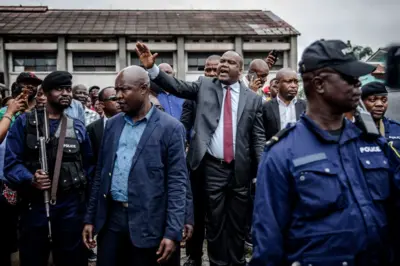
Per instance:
(139,169)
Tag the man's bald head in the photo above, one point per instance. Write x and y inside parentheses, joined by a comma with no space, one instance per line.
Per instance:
(80,93)
(133,86)
(211,66)
(258,73)
(133,76)
(258,64)
(79,87)
(230,68)
(213,57)
(236,56)
(167,68)
(282,73)
(288,83)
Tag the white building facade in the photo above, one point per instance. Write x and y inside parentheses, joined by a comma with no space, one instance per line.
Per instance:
(94,54)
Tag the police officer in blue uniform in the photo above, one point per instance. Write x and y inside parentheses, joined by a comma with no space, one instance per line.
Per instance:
(375,98)
(23,171)
(324,186)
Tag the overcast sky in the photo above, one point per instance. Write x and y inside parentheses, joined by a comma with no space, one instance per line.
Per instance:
(365,22)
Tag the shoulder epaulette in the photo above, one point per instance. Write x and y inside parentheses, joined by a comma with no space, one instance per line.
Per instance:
(393,121)
(280,135)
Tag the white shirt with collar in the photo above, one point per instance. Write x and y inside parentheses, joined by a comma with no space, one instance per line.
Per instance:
(287,113)
(105,120)
(216,145)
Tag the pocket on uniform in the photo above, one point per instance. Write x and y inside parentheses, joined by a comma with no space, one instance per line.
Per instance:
(376,175)
(319,189)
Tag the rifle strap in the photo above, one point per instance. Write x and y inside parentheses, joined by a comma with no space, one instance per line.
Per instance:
(59,155)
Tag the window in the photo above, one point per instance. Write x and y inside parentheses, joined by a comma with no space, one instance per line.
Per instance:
(163,57)
(93,62)
(196,61)
(248,57)
(35,62)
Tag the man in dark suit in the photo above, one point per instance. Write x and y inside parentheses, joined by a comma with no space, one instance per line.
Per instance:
(286,107)
(137,202)
(228,137)
(194,246)
(108,101)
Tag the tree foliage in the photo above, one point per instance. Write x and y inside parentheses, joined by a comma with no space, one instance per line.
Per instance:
(361,52)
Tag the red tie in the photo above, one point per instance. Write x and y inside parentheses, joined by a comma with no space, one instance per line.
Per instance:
(228,132)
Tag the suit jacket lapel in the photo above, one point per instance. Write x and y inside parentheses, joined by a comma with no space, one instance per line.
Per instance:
(219,93)
(100,129)
(116,136)
(242,100)
(275,110)
(151,125)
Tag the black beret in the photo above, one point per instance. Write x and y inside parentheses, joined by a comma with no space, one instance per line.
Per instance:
(373,88)
(57,79)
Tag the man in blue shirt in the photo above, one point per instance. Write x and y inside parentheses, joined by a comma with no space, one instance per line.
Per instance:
(375,98)
(137,204)
(172,104)
(23,171)
(326,189)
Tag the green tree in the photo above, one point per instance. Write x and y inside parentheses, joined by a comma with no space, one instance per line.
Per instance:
(361,52)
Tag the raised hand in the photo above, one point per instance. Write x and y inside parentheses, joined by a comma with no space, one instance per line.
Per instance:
(145,56)
(271,60)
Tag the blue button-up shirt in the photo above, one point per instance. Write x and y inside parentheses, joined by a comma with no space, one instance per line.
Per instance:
(171,104)
(127,145)
(322,199)
(76,110)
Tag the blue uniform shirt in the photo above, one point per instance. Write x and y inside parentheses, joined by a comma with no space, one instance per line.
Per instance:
(392,131)
(127,145)
(171,104)
(320,199)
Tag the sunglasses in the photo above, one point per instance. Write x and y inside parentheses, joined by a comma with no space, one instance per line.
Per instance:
(159,107)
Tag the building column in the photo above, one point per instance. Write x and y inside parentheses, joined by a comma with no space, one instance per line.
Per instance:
(61,54)
(293,52)
(4,63)
(239,45)
(122,52)
(180,54)
(286,59)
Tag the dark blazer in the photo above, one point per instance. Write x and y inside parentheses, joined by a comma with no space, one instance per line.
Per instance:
(158,181)
(207,92)
(272,119)
(95,131)
(188,116)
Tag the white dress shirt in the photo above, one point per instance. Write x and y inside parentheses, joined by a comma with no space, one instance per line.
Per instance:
(216,145)
(105,120)
(287,113)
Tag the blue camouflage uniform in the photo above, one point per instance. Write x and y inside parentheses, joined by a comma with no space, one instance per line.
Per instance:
(324,199)
(66,215)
